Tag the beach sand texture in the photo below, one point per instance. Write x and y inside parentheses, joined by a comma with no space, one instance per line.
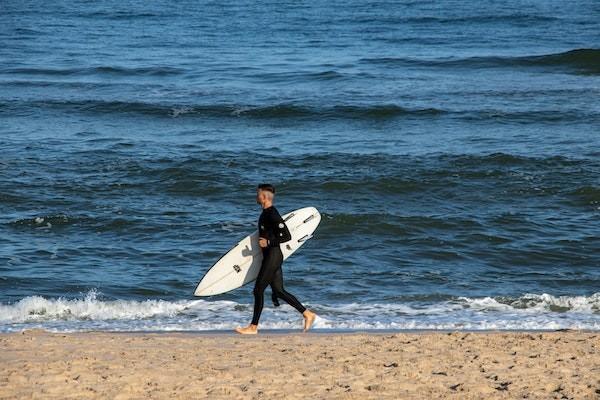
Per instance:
(423,365)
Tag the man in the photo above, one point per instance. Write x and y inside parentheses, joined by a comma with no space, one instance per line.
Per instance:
(271,232)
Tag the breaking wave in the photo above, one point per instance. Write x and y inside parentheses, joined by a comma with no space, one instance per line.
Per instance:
(269,111)
(529,311)
(585,61)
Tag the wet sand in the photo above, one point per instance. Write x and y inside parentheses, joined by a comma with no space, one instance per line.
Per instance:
(416,365)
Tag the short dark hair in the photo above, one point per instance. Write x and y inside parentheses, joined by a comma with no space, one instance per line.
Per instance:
(267,186)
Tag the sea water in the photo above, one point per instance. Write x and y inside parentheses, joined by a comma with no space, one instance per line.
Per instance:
(453,149)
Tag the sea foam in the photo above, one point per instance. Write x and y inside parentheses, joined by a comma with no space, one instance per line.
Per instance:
(91,312)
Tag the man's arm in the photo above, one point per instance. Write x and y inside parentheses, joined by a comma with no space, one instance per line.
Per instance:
(281,233)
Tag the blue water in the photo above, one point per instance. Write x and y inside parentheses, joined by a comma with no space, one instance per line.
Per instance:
(453,149)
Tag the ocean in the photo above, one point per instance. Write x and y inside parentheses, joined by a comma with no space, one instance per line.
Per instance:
(453,149)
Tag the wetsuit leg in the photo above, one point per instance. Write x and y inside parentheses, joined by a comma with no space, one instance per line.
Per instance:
(274,296)
(272,259)
(279,291)
(277,280)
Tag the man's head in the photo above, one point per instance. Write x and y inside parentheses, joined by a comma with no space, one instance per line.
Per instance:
(265,193)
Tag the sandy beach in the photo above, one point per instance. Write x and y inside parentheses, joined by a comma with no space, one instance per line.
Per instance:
(421,365)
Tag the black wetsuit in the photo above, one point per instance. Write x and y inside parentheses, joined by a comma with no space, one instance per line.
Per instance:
(272,227)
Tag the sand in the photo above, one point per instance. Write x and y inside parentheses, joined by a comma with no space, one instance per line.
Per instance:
(423,365)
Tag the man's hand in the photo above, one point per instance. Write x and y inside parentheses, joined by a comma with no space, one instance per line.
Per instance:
(262,242)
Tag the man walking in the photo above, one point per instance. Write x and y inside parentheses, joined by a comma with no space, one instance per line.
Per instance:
(272,231)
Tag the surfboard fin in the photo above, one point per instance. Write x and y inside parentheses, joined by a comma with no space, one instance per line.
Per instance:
(304,238)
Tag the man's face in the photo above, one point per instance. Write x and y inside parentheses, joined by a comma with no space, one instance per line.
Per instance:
(259,196)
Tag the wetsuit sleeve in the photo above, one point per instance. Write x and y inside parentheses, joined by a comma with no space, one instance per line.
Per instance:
(281,233)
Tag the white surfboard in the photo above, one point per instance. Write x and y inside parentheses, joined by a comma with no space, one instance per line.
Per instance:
(242,263)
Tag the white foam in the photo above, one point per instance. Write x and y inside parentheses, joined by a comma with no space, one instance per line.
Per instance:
(535,302)
(36,308)
(530,311)
(177,111)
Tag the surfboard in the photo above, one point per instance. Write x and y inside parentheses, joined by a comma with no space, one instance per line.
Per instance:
(241,264)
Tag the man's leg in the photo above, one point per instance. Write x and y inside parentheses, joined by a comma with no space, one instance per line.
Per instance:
(259,295)
(265,276)
(279,291)
(277,280)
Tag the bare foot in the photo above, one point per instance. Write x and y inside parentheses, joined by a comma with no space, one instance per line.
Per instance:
(249,330)
(309,318)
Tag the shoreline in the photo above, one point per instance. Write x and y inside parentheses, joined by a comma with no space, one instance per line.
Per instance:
(227,332)
(294,365)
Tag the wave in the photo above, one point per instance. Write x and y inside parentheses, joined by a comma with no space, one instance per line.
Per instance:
(529,311)
(383,173)
(98,70)
(291,111)
(275,111)
(509,18)
(507,159)
(530,116)
(515,18)
(366,112)
(380,173)
(303,76)
(63,221)
(584,61)
(47,221)
(587,195)
(388,224)
(127,15)
(162,222)
(537,302)
(37,308)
